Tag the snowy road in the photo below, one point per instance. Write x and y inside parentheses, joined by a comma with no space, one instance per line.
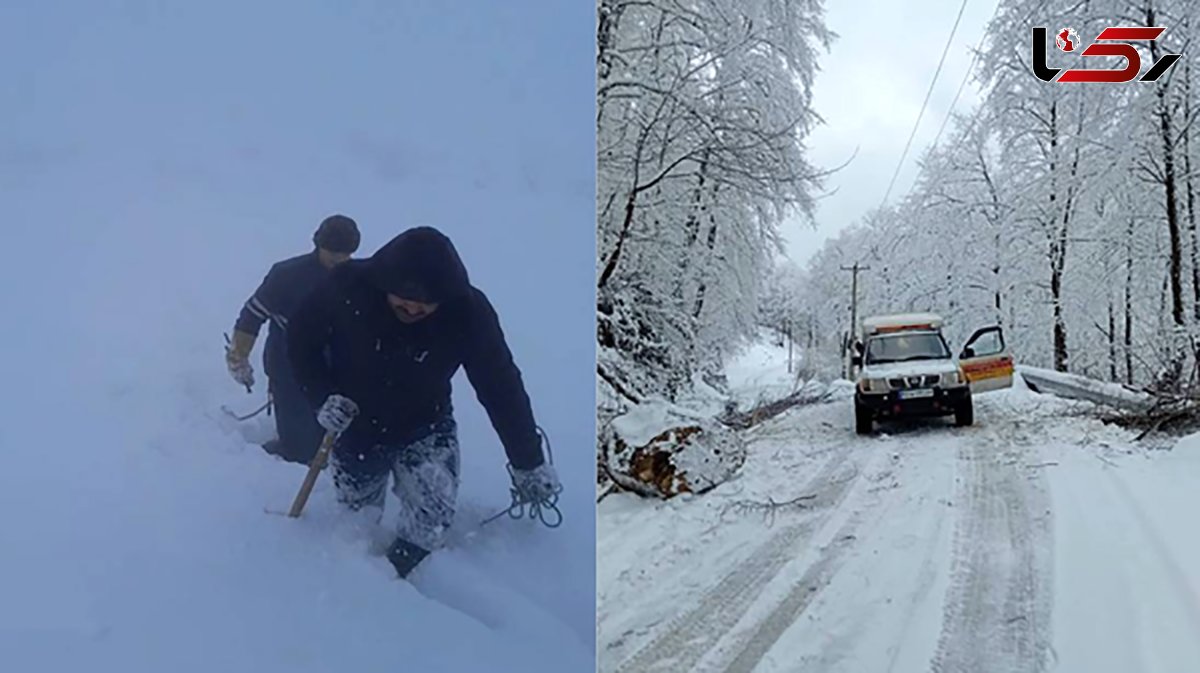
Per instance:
(1037,540)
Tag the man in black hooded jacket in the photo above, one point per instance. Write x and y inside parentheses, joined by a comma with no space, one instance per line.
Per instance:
(395,328)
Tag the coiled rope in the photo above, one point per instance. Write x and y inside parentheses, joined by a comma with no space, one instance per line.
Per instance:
(526,506)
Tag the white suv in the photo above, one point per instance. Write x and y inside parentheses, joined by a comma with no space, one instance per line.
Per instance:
(905,369)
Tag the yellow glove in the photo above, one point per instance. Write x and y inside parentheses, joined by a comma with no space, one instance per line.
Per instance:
(237,358)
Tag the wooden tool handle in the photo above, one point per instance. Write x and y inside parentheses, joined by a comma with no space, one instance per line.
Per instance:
(314,470)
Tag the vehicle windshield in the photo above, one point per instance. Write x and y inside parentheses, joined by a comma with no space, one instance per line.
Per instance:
(904,347)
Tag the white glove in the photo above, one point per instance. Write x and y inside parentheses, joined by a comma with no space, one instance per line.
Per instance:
(539,484)
(337,413)
(240,369)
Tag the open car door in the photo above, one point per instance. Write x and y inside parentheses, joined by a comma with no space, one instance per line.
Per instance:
(986,362)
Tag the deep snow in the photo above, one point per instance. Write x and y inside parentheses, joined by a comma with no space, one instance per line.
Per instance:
(153,164)
(1037,540)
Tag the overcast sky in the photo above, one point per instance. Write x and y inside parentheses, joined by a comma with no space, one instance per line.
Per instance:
(869,92)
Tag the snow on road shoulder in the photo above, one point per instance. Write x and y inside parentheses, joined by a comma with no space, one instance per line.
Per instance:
(1127,581)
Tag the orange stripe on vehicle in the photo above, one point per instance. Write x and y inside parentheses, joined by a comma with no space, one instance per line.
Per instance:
(989,370)
(989,374)
(987,366)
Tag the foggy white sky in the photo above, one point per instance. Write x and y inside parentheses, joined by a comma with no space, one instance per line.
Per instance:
(869,92)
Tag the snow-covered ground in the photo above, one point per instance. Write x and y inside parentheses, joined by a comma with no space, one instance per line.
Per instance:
(153,164)
(1037,540)
(760,373)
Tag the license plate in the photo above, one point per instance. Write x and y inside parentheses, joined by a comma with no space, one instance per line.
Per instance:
(915,394)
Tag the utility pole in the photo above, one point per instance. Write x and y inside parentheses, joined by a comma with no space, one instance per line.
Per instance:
(853,313)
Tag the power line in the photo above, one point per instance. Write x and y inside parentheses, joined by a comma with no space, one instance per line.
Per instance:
(962,85)
(924,104)
(966,76)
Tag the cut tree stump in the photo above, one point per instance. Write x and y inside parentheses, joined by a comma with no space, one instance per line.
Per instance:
(688,458)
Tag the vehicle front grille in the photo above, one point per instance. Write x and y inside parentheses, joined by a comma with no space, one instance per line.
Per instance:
(919,381)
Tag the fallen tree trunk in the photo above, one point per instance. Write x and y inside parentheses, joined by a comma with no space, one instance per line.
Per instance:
(1147,410)
(744,420)
(1073,386)
(659,450)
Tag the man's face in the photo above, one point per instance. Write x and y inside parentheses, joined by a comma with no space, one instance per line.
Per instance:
(330,258)
(409,311)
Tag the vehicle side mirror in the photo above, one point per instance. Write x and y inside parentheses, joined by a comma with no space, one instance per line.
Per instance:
(967,353)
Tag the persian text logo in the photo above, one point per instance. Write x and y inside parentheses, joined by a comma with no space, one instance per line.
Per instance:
(1112,41)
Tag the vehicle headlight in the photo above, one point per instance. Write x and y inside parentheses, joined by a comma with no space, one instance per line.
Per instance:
(872,385)
(952,378)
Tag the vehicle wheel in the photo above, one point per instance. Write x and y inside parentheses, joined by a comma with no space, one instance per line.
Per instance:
(863,423)
(964,415)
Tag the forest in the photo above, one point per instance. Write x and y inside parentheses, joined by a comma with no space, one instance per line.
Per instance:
(1065,212)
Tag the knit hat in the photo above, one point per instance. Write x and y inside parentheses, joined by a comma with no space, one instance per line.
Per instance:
(337,233)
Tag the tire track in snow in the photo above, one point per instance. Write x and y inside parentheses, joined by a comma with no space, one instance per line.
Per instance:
(789,609)
(763,637)
(926,577)
(997,613)
(692,634)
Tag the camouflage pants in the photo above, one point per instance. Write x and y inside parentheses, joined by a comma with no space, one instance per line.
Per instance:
(426,474)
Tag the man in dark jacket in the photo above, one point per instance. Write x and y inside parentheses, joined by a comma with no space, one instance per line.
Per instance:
(286,284)
(375,348)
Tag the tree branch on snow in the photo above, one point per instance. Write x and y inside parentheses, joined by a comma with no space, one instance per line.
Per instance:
(769,509)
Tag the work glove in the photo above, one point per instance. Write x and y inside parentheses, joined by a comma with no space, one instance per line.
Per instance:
(538,484)
(241,371)
(237,358)
(337,413)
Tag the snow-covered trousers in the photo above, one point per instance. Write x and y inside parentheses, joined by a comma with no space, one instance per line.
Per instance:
(426,473)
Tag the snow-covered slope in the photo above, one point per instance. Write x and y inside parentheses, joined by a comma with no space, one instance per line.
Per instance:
(152,166)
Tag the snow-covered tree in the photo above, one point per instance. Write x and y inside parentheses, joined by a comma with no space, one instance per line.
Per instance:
(1064,212)
(702,108)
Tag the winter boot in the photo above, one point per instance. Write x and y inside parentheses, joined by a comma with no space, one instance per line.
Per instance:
(405,556)
(273,447)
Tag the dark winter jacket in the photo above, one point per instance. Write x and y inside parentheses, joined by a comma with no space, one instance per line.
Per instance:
(399,373)
(278,296)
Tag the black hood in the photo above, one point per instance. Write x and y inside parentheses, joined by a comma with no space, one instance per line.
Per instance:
(420,264)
